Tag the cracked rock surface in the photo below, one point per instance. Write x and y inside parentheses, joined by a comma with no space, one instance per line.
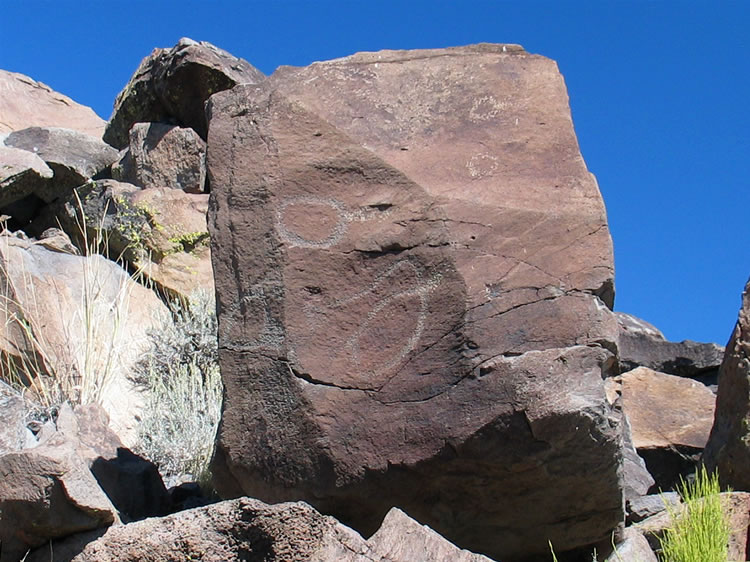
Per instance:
(414,280)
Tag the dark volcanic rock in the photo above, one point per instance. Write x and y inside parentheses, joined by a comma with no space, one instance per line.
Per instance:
(728,448)
(172,86)
(73,157)
(413,269)
(163,156)
(642,345)
(21,173)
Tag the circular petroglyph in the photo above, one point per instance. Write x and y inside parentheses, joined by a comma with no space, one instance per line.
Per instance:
(487,107)
(481,165)
(311,222)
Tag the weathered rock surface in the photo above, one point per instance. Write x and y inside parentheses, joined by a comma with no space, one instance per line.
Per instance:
(162,155)
(21,172)
(249,529)
(73,156)
(62,300)
(633,547)
(671,419)
(45,493)
(642,345)
(421,318)
(172,86)
(728,448)
(24,103)
(14,435)
(160,232)
(648,506)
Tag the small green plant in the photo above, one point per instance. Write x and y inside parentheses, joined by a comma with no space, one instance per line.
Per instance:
(700,533)
(181,374)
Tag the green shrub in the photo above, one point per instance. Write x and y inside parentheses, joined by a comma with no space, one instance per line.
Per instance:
(700,533)
(181,375)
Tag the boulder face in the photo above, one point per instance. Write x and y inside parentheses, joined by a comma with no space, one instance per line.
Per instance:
(413,273)
(172,86)
(728,449)
(24,103)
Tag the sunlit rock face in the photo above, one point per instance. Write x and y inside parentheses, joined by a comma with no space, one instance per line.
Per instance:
(414,279)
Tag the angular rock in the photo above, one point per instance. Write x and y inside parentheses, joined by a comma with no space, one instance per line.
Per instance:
(13,433)
(81,320)
(647,506)
(21,173)
(421,319)
(45,493)
(249,529)
(642,345)
(24,103)
(172,86)
(132,483)
(728,448)
(159,232)
(634,546)
(74,158)
(163,156)
(671,419)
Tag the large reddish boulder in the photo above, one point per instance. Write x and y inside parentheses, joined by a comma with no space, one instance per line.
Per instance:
(24,102)
(728,448)
(413,271)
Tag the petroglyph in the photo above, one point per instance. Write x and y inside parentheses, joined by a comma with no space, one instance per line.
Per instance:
(486,108)
(308,221)
(481,165)
(401,281)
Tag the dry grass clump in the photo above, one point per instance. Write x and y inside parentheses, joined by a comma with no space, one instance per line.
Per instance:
(181,374)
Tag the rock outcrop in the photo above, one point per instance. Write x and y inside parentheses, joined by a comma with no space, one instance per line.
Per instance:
(247,529)
(24,103)
(172,86)
(163,156)
(413,272)
(728,448)
(671,419)
(643,345)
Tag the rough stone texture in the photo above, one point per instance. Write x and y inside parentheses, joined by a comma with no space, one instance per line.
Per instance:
(634,547)
(47,492)
(54,293)
(417,321)
(160,232)
(24,103)
(647,506)
(21,173)
(736,506)
(728,448)
(671,419)
(132,483)
(642,345)
(163,156)
(13,433)
(172,86)
(247,529)
(74,157)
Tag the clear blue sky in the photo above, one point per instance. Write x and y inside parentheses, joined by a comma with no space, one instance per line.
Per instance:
(660,93)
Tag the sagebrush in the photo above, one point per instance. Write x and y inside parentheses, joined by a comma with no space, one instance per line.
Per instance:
(180,372)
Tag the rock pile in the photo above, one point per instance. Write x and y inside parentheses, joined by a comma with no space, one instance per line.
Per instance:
(414,280)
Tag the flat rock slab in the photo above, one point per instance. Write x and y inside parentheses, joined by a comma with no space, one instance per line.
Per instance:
(413,268)
(671,419)
(24,103)
(728,448)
